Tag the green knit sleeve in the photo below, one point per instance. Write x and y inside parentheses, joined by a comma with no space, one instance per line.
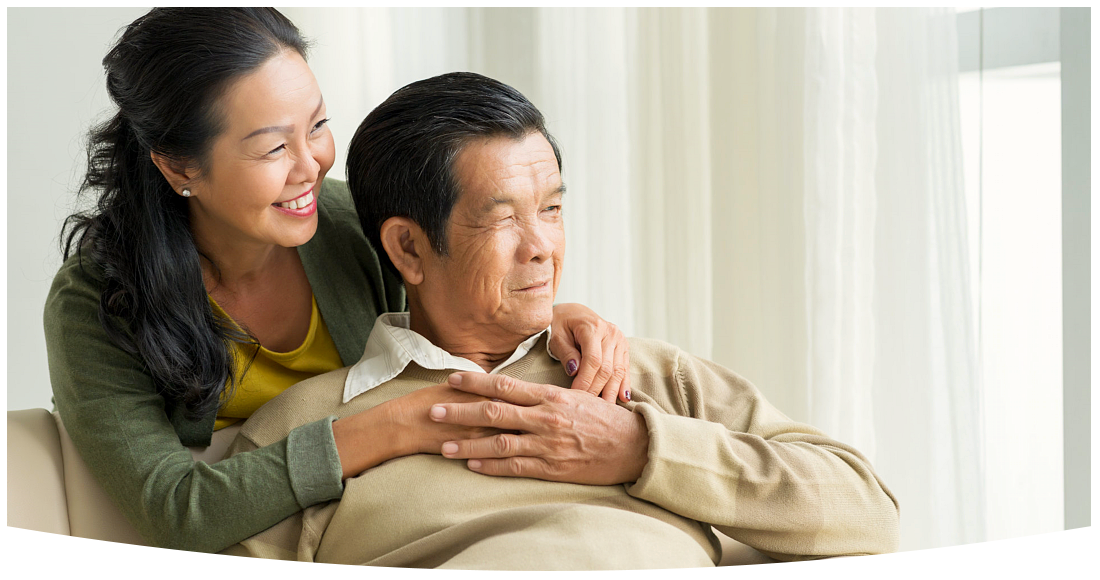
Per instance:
(118,423)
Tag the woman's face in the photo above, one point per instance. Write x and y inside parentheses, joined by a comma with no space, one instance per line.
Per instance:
(266,167)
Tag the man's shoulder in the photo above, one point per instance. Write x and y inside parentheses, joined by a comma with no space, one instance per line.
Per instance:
(322,392)
(659,359)
(310,400)
(320,386)
(651,354)
(652,345)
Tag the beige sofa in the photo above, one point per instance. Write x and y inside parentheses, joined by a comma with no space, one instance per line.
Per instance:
(51,490)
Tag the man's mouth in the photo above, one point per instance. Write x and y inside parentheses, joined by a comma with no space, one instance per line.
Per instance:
(535,286)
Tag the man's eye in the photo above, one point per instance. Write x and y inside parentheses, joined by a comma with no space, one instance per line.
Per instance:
(554,208)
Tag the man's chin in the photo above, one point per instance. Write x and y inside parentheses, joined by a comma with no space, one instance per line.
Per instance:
(528,323)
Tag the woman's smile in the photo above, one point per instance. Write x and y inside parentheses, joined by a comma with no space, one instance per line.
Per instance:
(302,206)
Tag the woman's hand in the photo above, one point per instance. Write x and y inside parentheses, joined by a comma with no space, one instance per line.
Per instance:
(593,351)
(564,435)
(417,432)
(401,427)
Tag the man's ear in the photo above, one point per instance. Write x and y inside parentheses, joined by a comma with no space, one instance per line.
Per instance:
(404,241)
(179,176)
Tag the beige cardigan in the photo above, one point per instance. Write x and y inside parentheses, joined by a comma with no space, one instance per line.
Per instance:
(719,454)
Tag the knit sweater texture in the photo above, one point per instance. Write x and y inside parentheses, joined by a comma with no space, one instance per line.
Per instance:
(719,455)
(135,443)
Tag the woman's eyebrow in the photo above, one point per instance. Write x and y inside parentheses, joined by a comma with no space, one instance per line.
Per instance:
(282,128)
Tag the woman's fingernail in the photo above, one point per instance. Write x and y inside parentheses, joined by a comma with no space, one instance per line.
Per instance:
(571,367)
(454,380)
(627,395)
(438,412)
(450,448)
(474,464)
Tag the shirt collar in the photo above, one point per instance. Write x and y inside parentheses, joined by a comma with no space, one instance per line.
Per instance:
(392,346)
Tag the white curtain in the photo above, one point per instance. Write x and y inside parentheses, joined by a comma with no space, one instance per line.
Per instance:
(779,190)
(892,346)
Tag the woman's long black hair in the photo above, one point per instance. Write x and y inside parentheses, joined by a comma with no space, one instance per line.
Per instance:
(166,74)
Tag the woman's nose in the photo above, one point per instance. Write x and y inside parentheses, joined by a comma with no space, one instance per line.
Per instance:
(306,168)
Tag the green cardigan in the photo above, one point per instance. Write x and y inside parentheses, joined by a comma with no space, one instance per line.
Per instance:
(136,444)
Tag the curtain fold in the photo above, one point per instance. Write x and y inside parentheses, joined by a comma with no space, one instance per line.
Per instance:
(779,190)
(927,373)
(840,151)
(670,176)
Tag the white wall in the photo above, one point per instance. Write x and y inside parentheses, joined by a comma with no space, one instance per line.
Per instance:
(55,92)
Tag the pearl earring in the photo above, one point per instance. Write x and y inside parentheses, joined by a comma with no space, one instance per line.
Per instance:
(186,192)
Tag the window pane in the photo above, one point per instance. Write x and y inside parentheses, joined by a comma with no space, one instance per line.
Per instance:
(1018,200)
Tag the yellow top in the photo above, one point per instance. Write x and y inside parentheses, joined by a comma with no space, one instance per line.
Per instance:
(272,372)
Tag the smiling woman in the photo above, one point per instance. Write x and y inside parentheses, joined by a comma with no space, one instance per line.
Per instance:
(274,168)
(218,268)
(254,203)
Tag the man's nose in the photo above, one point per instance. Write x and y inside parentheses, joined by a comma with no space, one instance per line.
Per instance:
(538,243)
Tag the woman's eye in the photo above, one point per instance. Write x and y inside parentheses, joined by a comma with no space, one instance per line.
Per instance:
(277,149)
(320,124)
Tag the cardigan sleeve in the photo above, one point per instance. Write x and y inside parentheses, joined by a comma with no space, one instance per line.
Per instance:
(119,425)
(720,453)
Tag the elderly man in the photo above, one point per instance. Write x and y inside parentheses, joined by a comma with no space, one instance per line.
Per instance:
(457,179)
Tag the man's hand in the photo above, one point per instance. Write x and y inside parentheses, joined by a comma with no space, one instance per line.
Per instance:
(592,350)
(563,435)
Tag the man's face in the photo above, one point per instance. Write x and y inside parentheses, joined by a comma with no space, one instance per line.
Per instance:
(506,240)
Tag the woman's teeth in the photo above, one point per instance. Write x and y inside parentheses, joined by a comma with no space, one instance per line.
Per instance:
(299,202)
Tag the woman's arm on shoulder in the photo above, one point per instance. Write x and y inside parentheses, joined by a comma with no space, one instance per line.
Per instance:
(118,423)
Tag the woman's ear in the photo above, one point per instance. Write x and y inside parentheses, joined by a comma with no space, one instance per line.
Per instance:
(399,239)
(178,176)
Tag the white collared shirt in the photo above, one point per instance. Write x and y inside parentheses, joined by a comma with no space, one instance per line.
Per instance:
(392,346)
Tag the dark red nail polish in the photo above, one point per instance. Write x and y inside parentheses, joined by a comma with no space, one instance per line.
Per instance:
(627,394)
(571,367)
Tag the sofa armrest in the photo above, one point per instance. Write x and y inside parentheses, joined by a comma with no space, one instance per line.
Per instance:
(51,489)
(735,553)
(36,473)
(92,514)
